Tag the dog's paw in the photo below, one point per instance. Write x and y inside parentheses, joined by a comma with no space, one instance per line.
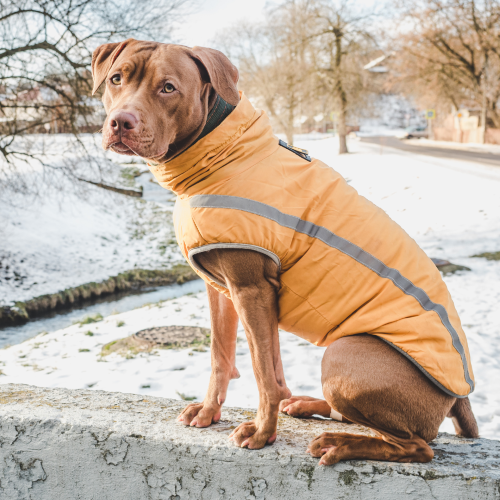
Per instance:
(199,415)
(249,435)
(326,447)
(298,409)
(304,407)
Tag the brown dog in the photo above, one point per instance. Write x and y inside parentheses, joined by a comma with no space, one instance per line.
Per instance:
(158,98)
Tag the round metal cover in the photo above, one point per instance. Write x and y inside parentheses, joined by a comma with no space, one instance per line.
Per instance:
(181,336)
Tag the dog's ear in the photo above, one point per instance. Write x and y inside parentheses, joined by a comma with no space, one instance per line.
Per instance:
(102,60)
(221,73)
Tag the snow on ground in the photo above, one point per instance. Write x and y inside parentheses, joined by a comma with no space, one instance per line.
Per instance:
(51,245)
(71,358)
(451,208)
(75,236)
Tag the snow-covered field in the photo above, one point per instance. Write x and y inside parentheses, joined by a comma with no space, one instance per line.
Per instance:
(451,208)
(76,235)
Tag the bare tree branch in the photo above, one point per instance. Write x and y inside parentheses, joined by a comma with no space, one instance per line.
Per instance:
(45,82)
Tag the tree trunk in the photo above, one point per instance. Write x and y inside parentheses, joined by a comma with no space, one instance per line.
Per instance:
(341,97)
(494,115)
(342,128)
(291,114)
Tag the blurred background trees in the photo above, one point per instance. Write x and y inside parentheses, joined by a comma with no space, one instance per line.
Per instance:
(304,64)
(448,55)
(343,45)
(275,63)
(327,65)
(45,81)
(313,65)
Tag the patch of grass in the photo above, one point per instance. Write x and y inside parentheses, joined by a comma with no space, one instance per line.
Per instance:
(128,175)
(120,323)
(488,255)
(145,386)
(83,350)
(89,333)
(93,318)
(147,304)
(128,347)
(199,349)
(34,366)
(107,348)
(184,397)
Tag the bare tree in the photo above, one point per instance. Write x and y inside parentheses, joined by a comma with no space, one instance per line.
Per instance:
(449,54)
(342,44)
(306,58)
(274,63)
(45,53)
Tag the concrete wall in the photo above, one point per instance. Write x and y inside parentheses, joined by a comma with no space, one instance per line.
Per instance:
(58,444)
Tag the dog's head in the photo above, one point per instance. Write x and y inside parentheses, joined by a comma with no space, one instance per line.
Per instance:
(157,95)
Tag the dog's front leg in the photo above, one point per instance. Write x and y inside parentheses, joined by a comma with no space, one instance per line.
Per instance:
(253,282)
(257,307)
(223,351)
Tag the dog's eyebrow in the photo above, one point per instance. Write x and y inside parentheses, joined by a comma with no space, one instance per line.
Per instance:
(151,48)
(126,67)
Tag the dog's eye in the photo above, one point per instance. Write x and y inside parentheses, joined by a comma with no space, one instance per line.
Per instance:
(116,80)
(168,88)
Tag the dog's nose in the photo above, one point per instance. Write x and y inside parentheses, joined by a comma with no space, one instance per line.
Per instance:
(120,121)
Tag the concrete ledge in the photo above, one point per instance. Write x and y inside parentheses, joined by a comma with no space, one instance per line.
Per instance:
(58,444)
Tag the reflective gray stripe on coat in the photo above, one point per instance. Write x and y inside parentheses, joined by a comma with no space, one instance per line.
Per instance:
(344,246)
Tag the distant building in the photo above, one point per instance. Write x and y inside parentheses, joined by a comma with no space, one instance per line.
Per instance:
(40,109)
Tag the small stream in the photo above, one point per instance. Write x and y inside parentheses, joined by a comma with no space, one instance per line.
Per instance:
(121,302)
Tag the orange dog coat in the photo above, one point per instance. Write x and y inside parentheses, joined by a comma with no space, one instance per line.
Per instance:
(345,266)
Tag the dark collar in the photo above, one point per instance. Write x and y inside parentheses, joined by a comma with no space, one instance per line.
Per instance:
(219,112)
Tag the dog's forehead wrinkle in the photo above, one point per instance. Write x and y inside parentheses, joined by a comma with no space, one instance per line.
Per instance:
(127,68)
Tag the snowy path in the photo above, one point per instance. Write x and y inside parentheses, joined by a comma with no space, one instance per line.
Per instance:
(452,215)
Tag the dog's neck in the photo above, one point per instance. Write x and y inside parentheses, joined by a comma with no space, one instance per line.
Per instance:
(217,114)
(219,110)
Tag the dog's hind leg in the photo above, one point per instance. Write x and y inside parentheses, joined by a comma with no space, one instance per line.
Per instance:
(463,419)
(333,447)
(372,384)
(306,406)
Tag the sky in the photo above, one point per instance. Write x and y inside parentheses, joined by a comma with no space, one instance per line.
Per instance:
(211,16)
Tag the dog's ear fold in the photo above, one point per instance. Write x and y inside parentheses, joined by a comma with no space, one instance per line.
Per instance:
(221,73)
(102,60)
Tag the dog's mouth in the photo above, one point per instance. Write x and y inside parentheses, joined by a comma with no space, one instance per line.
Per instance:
(122,149)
